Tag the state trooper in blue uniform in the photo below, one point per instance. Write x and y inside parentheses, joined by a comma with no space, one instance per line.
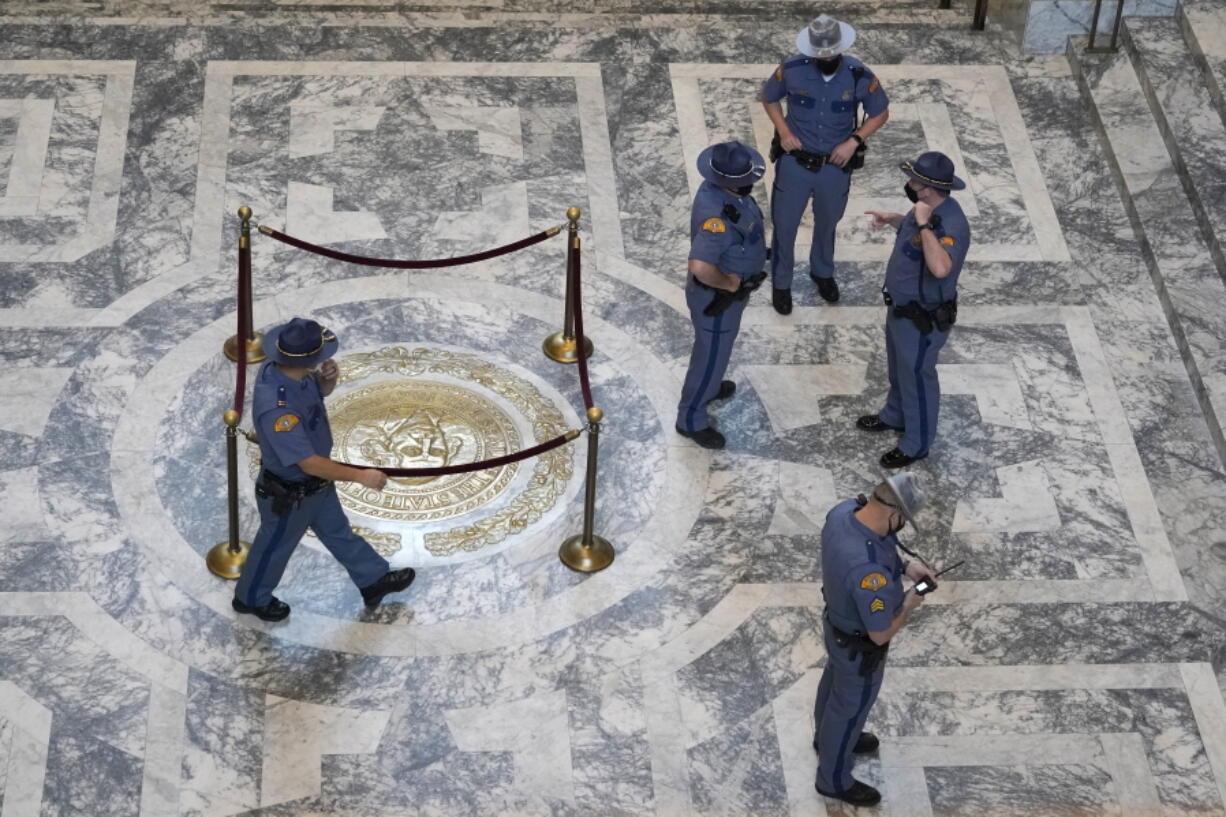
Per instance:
(295,490)
(727,256)
(819,144)
(921,296)
(866,606)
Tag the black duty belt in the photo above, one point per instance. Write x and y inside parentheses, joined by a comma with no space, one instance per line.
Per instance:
(871,653)
(286,494)
(925,320)
(810,161)
(312,485)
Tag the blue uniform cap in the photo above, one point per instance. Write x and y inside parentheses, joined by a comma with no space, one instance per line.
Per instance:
(301,342)
(934,169)
(731,164)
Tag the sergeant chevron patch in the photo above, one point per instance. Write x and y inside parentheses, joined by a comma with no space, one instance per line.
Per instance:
(876,606)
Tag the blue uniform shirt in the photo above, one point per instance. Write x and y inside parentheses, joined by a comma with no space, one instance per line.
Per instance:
(291,432)
(822,114)
(906,277)
(861,572)
(726,230)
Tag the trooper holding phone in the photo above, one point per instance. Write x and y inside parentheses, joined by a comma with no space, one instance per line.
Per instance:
(866,606)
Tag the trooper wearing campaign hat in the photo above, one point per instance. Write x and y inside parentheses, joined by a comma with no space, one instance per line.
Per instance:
(921,296)
(727,257)
(866,605)
(816,149)
(295,489)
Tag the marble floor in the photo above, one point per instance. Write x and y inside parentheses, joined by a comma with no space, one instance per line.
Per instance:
(1074,667)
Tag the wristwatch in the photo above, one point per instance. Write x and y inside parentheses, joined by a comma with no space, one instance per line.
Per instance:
(859,139)
(927,226)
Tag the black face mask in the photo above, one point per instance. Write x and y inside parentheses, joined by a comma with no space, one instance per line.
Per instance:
(902,523)
(744,191)
(828,66)
(912,196)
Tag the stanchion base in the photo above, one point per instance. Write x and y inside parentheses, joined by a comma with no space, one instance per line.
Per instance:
(226,563)
(255,348)
(565,350)
(586,559)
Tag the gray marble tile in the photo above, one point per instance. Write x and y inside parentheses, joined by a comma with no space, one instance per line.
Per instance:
(1071,790)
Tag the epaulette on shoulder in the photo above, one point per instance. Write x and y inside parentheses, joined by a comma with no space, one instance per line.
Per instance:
(280,396)
(796,61)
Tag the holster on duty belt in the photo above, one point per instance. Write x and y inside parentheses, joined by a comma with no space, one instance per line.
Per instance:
(871,653)
(925,320)
(814,162)
(286,495)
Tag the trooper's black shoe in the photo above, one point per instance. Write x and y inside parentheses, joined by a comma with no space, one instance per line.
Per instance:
(706,437)
(393,581)
(872,422)
(866,744)
(828,288)
(275,610)
(894,458)
(860,794)
(781,299)
(727,388)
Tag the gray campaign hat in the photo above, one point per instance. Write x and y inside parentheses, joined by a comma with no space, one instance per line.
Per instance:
(904,492)
(825,37)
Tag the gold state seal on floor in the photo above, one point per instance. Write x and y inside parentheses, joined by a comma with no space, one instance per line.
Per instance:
(424,407)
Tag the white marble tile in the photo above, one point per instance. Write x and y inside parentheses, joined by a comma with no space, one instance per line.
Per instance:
(313,127)
(791,393)
(536,731)
(806,493)
(25,181)
(308,212)
(296,736)
(1026,503)
(29,735)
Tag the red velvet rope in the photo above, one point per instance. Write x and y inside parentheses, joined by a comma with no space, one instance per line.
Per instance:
(244,309)
(426,264)
(572,270)
(476,466)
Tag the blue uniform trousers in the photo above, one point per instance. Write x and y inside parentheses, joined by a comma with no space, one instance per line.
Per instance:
(794,186)
(279,535)
(713,339)
(915,393)
(844,697)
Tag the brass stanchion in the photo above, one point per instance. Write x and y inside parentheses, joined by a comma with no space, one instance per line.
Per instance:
(561,346)
(226,559)
(588,552)
(255,340)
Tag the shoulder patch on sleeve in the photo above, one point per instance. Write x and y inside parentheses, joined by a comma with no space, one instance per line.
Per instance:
(285,422)
(714,225)
(948,241)
(874,84)
(876,606)
(779,74)
(874,581)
